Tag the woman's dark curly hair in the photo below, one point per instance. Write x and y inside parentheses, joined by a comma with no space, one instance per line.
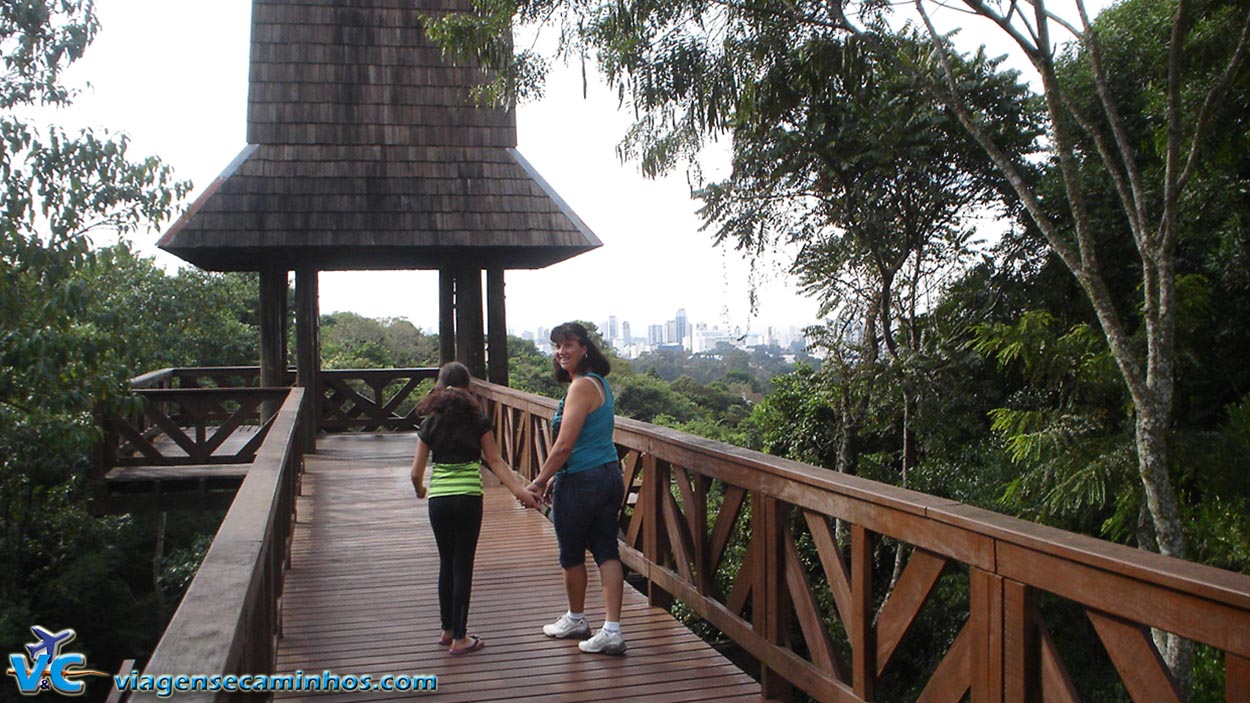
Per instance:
(451,394)
(593,361)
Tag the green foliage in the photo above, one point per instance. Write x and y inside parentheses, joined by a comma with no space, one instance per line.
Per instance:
(749,371)
(185,318)
(530,370)
(75,324)
(644,397)
(800,418)
(350,341)
(1015,381)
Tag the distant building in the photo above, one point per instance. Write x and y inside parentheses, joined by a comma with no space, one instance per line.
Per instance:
(705,340)
(626,339)
(613,332)
(681,331)
(655,335)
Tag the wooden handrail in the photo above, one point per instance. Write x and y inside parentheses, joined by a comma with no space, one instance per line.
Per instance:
(227,622)
(675,538)
(371,400)
(366,400)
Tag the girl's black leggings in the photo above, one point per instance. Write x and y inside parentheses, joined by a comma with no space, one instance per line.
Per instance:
(457,522)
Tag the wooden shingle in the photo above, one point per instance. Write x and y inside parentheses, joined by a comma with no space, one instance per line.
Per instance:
(366,151)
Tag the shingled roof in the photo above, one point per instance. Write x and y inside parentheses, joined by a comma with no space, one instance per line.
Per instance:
(366,152)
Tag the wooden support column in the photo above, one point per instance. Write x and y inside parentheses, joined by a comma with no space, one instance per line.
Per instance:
(1236,678)
(272,332)
(1022,681)
(770,606)
(655,547)
(446,316)
(987,603)
(496,328)
(860,629)
(308,351)
(470,332)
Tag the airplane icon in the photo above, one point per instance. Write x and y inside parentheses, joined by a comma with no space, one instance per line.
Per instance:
(48,642)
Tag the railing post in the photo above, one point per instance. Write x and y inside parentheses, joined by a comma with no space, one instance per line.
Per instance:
(986,603)
(860,629)
(1021,648)
(1236,678)
(770,607)
(655,481)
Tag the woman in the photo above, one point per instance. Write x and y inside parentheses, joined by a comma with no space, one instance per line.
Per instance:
(458,437)
(588,488)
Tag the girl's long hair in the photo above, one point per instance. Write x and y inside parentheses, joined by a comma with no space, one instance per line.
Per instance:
(451,394)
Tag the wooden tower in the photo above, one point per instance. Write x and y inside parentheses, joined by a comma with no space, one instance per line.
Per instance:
(365,152)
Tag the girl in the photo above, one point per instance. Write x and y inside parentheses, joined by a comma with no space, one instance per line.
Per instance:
(458,437)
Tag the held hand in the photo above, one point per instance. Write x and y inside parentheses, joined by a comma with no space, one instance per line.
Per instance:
(421,491)
(527,499)
(539,491)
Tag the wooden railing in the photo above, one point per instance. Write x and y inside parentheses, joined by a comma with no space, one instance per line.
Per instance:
(367,400)
(690,501)
(183,426)
(370,400)
(228,620)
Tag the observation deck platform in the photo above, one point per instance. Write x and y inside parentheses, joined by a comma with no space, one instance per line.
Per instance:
(361,598)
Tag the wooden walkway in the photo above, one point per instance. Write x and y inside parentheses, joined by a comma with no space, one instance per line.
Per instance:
(361,598)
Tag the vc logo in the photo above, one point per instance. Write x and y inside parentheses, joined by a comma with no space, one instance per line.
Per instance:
(47,669)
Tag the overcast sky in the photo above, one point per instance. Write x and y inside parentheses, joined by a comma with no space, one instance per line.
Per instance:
(172,74)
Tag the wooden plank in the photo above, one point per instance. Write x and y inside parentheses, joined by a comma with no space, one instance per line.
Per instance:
(831,559)
(953,677)
(986,604)
(1046,547)
(115,694)
(1021,650)
(910,593)
(1236,678)
(1133,652)
(807,612)
(1120,591)
(726,519)
(182,472)
(1057,686)
(361,597)
(859,628)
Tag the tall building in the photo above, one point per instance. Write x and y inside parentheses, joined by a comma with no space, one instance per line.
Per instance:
(682,330)
(613,332)
(655,334)
(625,338)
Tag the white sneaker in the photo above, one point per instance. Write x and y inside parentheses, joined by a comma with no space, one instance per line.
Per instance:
(568,628)
(604,642)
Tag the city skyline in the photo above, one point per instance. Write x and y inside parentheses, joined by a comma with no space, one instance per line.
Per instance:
(694,336)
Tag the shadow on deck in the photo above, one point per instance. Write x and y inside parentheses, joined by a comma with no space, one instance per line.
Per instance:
(360,598)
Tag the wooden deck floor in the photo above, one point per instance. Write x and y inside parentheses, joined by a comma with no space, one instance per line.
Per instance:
(361,599)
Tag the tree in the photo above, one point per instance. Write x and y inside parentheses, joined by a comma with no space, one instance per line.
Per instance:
(351,341)
(677,65)
(185,318)
(58,358)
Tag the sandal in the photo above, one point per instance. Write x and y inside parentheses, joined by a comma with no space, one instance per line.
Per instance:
(477,644)
(444,641)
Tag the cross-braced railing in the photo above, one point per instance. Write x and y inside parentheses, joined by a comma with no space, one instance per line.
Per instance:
(372,400)
(833,625)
